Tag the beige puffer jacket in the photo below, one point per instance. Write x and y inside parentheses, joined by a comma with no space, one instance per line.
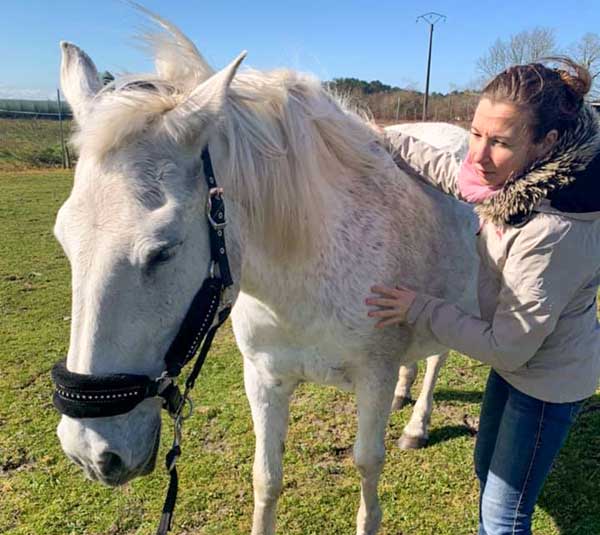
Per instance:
(540,250)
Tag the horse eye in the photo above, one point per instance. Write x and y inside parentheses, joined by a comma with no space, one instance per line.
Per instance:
(161,256)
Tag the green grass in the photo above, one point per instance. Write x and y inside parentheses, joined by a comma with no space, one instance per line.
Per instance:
(31,143)
(432,491)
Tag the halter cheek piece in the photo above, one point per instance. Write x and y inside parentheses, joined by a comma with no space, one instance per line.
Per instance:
(94,396)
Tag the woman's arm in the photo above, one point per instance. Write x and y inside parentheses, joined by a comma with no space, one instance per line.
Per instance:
(437,167)
(539,280)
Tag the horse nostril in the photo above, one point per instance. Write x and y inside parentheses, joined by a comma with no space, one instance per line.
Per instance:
(110,464)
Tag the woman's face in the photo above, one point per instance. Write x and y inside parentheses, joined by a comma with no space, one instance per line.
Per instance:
(500,143)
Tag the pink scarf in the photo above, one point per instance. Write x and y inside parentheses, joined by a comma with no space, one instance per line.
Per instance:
(473,189)
(471,185)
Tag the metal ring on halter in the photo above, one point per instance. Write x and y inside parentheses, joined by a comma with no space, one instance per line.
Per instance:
(181,413)
(214,192)
(190,408)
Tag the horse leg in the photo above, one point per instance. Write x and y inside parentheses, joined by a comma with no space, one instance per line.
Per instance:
(269,399)
(415,434)
(373,399)
(406,377)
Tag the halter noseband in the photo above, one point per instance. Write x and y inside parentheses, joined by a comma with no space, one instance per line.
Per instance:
(95,396)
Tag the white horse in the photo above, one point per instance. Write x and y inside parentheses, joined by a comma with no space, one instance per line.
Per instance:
(317,211)
(444,136)
(455,140)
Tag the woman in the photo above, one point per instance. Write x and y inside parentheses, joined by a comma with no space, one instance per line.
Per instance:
(533,170)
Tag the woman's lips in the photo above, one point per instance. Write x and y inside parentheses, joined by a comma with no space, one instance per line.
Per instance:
(485,175)
(483,172)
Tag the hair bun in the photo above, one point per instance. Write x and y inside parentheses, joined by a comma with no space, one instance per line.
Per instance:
(575,76)
(552,96)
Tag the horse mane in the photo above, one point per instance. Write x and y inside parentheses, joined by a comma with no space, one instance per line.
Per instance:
(290,141)
(292,147)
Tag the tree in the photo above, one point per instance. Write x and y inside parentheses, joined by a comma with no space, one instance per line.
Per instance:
(387,104)
(353,85)
(587,53)
(524,47)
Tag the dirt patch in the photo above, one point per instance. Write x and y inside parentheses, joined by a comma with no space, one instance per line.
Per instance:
(15,461)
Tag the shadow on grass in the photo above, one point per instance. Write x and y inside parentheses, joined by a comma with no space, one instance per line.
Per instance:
(570,495)
(461,396)
(448,432)
(571,492)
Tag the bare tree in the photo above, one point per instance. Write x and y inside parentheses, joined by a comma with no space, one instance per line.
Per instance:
(495,59)
(587,52)
(540,42)
(524,47)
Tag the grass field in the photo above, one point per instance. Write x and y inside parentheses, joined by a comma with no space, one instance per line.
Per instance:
(30,143)
(427,492)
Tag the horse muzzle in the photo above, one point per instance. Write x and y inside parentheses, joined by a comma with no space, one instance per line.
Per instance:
(108,455)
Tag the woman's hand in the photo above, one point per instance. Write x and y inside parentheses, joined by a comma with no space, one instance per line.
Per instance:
(393,304)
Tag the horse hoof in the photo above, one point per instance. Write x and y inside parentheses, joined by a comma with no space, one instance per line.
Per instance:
(399,402)
(411,443)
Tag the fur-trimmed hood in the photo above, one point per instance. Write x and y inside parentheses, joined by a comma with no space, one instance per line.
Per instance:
(568,177)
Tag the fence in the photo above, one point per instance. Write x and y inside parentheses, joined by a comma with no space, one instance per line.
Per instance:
(28,133)
(33,133)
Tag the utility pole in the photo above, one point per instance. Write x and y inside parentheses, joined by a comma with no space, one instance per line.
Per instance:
(432,19)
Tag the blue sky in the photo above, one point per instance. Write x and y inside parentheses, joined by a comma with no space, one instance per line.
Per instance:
(355,38)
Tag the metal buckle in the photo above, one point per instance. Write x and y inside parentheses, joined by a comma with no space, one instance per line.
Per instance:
(175,451)
(163,381)
(179,416)
(226,297)
(214,192)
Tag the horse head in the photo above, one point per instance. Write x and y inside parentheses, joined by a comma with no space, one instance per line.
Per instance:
(134,232)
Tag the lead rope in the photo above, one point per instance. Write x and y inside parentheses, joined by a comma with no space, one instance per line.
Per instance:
(179,417)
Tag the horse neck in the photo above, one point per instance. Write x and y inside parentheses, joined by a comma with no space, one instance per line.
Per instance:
(270,269)
(276,240)
(267,272)
(291,190)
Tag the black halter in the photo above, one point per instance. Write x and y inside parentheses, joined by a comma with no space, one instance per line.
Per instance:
(93,396)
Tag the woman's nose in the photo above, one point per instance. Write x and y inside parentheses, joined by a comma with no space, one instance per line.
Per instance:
(479,151)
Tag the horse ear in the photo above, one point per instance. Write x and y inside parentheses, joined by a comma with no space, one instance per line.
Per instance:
(204,103)
(78,78)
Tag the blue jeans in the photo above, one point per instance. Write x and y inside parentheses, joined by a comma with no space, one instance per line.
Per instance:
(519,437)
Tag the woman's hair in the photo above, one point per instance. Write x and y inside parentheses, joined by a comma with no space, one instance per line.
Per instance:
(552,97)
